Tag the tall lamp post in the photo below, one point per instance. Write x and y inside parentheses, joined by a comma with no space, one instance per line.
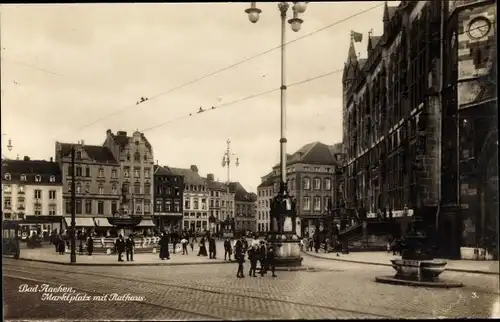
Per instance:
(9,146)
(73,207)
(227,160)
(283,209)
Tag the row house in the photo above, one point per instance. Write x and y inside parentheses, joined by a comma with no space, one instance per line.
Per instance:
(245,208)
(265,195)
(310,180)
(195,196)
(32,192)
(97,183)
(134,155)
(168,198)
(221,204)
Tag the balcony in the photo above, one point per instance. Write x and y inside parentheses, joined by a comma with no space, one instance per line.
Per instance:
(21,207)
(20,192)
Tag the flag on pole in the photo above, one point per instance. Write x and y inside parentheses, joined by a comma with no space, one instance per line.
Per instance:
(356,36)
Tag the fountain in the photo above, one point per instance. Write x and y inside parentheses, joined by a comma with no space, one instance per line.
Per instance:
(417,266)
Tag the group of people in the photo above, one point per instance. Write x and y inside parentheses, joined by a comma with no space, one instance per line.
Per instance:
(125,246)
(258,252)
(61,242)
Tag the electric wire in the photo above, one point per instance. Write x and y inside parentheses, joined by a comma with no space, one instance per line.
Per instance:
(196,80)
(268,92)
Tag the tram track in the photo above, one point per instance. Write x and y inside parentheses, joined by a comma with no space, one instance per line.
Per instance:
(237,292)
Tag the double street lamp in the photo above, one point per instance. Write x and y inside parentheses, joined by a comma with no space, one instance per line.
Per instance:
(283,205)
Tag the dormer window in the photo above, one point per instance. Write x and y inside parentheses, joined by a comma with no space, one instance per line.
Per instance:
(38,178)
(7,176)
(78,155)
(23,177)
(52,179)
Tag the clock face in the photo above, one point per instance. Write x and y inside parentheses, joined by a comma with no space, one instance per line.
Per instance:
(478,28)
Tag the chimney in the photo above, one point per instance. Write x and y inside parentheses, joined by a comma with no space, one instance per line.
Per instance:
(121,133)
(26,158)
(210,177)
(82,142)
(108,132)
(194,168)
(51,159)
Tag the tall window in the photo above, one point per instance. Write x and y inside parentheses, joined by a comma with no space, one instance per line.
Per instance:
(307,183)
(177,206)
(78,171)
(159,205)
(88,206)
(101,189)
(327,184)
(317,184)
(307,203)
(78,207)
(87,172)
(187,204)
(317,203)
(168,206)
(101,172)
(100,207)
(137,188)
(52,210)
(137,157)
(147,173)
(52,194)
(328,201)
(38,209)
(113,174)
(146,206)
(78,188)
(38,194)
(7,202)
(113,189)
(147,189)
(137,172)
(126,172)
(114,207)
(196,203)
(68,207)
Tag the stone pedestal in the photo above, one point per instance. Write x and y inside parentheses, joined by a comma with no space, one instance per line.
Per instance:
(421,270)
(286,249)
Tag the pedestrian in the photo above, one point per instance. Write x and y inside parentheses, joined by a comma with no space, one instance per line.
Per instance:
(270,260)
(310,244)
(227,249)
(262,258)
(193,240)
(164,243)
(80,243)
(212,247)
(120,247)
(245,244)
(90,245)
(184,243)
(327,242)
(129,246)
(389,242)
(255,241)
(61,245)
(239,255)
(174,240)
(203,250)
(316,243)
(253,257)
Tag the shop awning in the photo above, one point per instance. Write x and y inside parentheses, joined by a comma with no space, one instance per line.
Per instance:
(146,223)
(80,222)
(102,222)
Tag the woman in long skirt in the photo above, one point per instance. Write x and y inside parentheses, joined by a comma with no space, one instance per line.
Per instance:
(203,249)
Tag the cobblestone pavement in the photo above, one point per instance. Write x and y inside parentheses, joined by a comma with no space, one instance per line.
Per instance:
(336,290)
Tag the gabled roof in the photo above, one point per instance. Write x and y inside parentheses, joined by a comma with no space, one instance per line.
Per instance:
(216,185)
(31,168)
(190,177)
(267,181)
(315,153)
(95,152)
(240,193)
(123,140)
(163,171)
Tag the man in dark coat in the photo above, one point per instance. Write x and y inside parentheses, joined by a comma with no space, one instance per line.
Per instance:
(61,245)
(129,246)
(212,247)
(270,259)
(239,255)
(227,249)
(90,245)
(164,252)
(120,247)
(173,237)
(262,258)
(253,257)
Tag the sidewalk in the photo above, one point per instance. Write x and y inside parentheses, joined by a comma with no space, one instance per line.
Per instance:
(383,259)
(48,255)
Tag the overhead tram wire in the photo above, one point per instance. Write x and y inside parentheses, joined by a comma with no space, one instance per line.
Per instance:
(229,66)
(265,93)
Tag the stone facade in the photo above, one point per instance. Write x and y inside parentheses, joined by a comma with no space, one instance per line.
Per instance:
(265,194)
(221,204)
(97,181)
(135,157)
(168,198)
(245,208)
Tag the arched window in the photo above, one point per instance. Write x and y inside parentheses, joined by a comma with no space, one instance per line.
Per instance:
(23,177)
(7,176)
(38,178)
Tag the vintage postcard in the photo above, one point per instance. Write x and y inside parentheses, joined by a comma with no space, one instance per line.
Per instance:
(249,160)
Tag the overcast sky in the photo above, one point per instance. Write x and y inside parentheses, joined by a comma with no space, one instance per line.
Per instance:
(66,66)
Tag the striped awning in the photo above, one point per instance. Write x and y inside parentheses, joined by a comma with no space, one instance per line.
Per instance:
(102,222)
(80,222)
